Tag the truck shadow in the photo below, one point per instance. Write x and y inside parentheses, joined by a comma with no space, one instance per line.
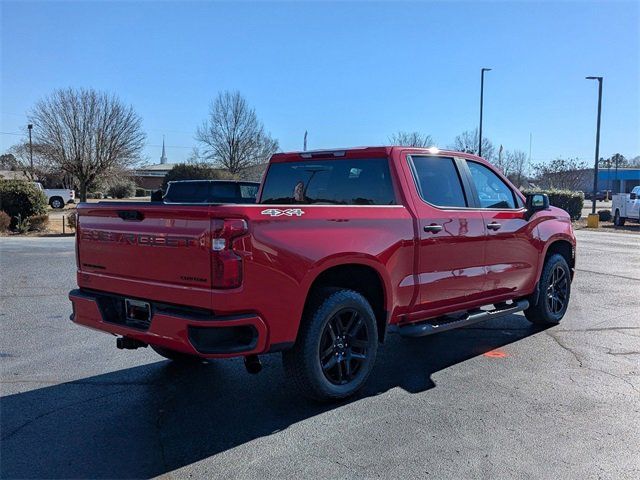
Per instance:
(148,420)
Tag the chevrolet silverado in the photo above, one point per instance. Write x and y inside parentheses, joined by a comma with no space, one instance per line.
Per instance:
(341,248)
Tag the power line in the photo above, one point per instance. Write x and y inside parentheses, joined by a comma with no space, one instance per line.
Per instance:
(170,131)
(13,133)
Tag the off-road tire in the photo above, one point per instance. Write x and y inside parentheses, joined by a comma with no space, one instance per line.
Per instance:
(177,357)
(546,310)
(330,317)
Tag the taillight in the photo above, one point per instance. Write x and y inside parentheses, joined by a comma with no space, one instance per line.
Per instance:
(226,264)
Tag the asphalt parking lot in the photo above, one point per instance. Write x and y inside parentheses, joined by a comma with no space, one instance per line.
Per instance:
(499,399)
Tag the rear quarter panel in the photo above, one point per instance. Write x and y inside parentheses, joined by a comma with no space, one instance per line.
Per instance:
(284,255)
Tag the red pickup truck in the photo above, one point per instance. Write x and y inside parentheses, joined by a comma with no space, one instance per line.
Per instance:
(341,248)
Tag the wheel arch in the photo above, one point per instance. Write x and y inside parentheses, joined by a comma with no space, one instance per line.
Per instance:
(563,247)
(366,278)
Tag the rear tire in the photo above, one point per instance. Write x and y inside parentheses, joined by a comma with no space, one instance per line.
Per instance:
(336,346)
(554,290)
(177,357)
(618,221)
(56,202)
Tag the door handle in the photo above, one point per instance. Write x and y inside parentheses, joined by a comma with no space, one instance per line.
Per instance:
(433,228)
(494,226)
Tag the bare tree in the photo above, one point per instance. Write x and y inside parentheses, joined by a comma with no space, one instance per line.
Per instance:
(411,139)
(562,173)
(22,161)
(467,142)
(232,136)
(516,167)
(8,161)
(195,156)
(87,134)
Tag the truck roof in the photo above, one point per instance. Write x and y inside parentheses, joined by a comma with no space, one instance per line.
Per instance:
(364,152)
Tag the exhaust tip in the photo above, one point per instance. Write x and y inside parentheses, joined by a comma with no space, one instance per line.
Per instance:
(253,364)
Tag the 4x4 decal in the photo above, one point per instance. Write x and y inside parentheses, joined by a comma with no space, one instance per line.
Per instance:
(289,212)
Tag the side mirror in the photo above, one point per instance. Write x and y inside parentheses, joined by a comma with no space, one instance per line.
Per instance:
(633,196)
(536,202)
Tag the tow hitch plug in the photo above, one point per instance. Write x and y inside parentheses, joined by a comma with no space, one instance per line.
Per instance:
(253,364)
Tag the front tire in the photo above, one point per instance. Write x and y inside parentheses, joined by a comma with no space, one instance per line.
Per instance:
(178,357)
(336,346)
(554,290)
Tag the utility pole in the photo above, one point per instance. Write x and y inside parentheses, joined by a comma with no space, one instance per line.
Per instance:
(30,127)
(481,102)
(595,169)
(609,178)
(304,147)
(617,185)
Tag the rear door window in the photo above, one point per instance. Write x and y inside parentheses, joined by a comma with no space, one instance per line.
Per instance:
(438,181)
(329,182)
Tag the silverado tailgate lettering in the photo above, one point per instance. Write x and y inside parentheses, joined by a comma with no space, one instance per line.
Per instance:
(142,239)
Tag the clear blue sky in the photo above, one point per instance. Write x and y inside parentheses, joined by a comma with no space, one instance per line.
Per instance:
(349,73)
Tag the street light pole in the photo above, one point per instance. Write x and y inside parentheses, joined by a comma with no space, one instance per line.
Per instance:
(481,102)
(30,127)
(595,167)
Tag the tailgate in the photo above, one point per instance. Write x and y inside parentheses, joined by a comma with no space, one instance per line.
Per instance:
(156,243)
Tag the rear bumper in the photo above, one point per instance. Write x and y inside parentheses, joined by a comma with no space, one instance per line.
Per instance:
(173,328)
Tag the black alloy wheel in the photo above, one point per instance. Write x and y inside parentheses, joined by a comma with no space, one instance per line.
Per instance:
(336,346)
(344,346)
(558,290)
(548,306)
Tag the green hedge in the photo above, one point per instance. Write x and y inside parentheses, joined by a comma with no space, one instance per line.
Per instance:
(604,215)
(567,200)
(122,189)
(195,171)
(21,198)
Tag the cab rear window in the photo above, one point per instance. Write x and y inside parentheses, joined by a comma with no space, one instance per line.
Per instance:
(330,182)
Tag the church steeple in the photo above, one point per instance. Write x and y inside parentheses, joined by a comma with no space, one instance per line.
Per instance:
(163,158)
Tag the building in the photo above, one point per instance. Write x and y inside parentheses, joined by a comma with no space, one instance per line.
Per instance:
(618,180)
(150,177)
(163,157)
(13,175)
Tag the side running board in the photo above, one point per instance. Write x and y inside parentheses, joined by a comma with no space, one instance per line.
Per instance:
(442,324)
